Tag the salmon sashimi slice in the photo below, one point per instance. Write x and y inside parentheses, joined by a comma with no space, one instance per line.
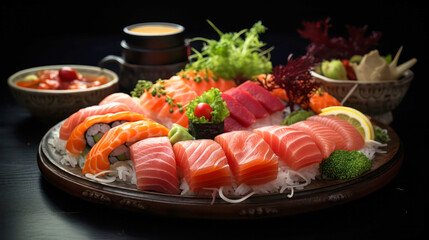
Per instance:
(202,81)
(248,101)
(97,158)
(166,102)
(132,102)
(295,147)
(352,138)
(251,159)
(268,100)
(78,117)
(77,143)
(325,137)
(203,164)
(155,165)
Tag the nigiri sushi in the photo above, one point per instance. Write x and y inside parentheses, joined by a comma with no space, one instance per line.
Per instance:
(251,159)
(155,165)
(352,138)
(97,159)
(78,117)
(94,127)
(295,147)
(203,164)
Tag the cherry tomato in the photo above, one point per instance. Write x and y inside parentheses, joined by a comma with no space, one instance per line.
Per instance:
(203,109)
(67,74)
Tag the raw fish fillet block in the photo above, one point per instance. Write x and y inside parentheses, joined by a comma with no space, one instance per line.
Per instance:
(203,163)
(251,159)
(248,101)
(352,138)
(77,143)
(238,111)
(295,147)
(155,165)
(79,116)
(133,103)
(268,100)
(327,139)
(97,159)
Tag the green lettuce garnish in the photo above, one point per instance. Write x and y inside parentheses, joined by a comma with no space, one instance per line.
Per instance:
(233,56)
(214,99)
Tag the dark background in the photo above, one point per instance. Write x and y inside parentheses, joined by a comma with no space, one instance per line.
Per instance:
(78,32)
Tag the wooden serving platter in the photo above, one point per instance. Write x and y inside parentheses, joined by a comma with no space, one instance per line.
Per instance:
(319,194)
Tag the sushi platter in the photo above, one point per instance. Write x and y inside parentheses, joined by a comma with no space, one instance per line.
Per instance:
(227,137)
(320,194)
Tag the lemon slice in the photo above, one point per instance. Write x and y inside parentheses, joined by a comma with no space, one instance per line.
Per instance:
(354,117)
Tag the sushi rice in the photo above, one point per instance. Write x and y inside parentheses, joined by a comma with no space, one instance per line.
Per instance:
(287,179)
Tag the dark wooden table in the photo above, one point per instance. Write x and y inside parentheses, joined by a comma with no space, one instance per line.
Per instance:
(31,208)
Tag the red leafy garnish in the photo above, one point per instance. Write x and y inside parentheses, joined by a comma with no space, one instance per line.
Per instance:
(326,48)
(295,79)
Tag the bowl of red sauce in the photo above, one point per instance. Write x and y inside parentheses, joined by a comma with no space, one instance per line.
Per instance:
(53,93)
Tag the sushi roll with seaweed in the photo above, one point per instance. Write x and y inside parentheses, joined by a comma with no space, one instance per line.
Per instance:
(92,129)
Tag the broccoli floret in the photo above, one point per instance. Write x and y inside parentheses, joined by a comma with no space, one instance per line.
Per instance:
(343,164)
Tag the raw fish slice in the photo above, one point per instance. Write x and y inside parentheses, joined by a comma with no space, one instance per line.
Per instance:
(251,159)
(77,143)
(132,102)
(97,159)
(79,116)
(230,124)
(203,164)
(248,101)
(268,100)
(326,138)
(203,81)
(238,111)
(352,138)
(166,102)
(155,165)
(295,147)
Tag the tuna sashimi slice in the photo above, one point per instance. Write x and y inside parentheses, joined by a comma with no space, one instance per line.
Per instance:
(295,147)
(248,101)
(251,159)
(230,124)
(238,111)
(203,164)
(155,165)
(326,138)
(352,138)
(268,100)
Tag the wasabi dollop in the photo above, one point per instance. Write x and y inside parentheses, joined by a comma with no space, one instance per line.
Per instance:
(179,133)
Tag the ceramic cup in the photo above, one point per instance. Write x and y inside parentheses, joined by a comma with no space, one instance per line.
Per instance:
(157,50)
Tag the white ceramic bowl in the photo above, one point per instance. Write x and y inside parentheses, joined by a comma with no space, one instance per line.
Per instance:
(372,98)
(51,106)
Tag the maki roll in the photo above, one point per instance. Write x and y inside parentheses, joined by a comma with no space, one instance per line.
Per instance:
(92,129)
(207,114)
